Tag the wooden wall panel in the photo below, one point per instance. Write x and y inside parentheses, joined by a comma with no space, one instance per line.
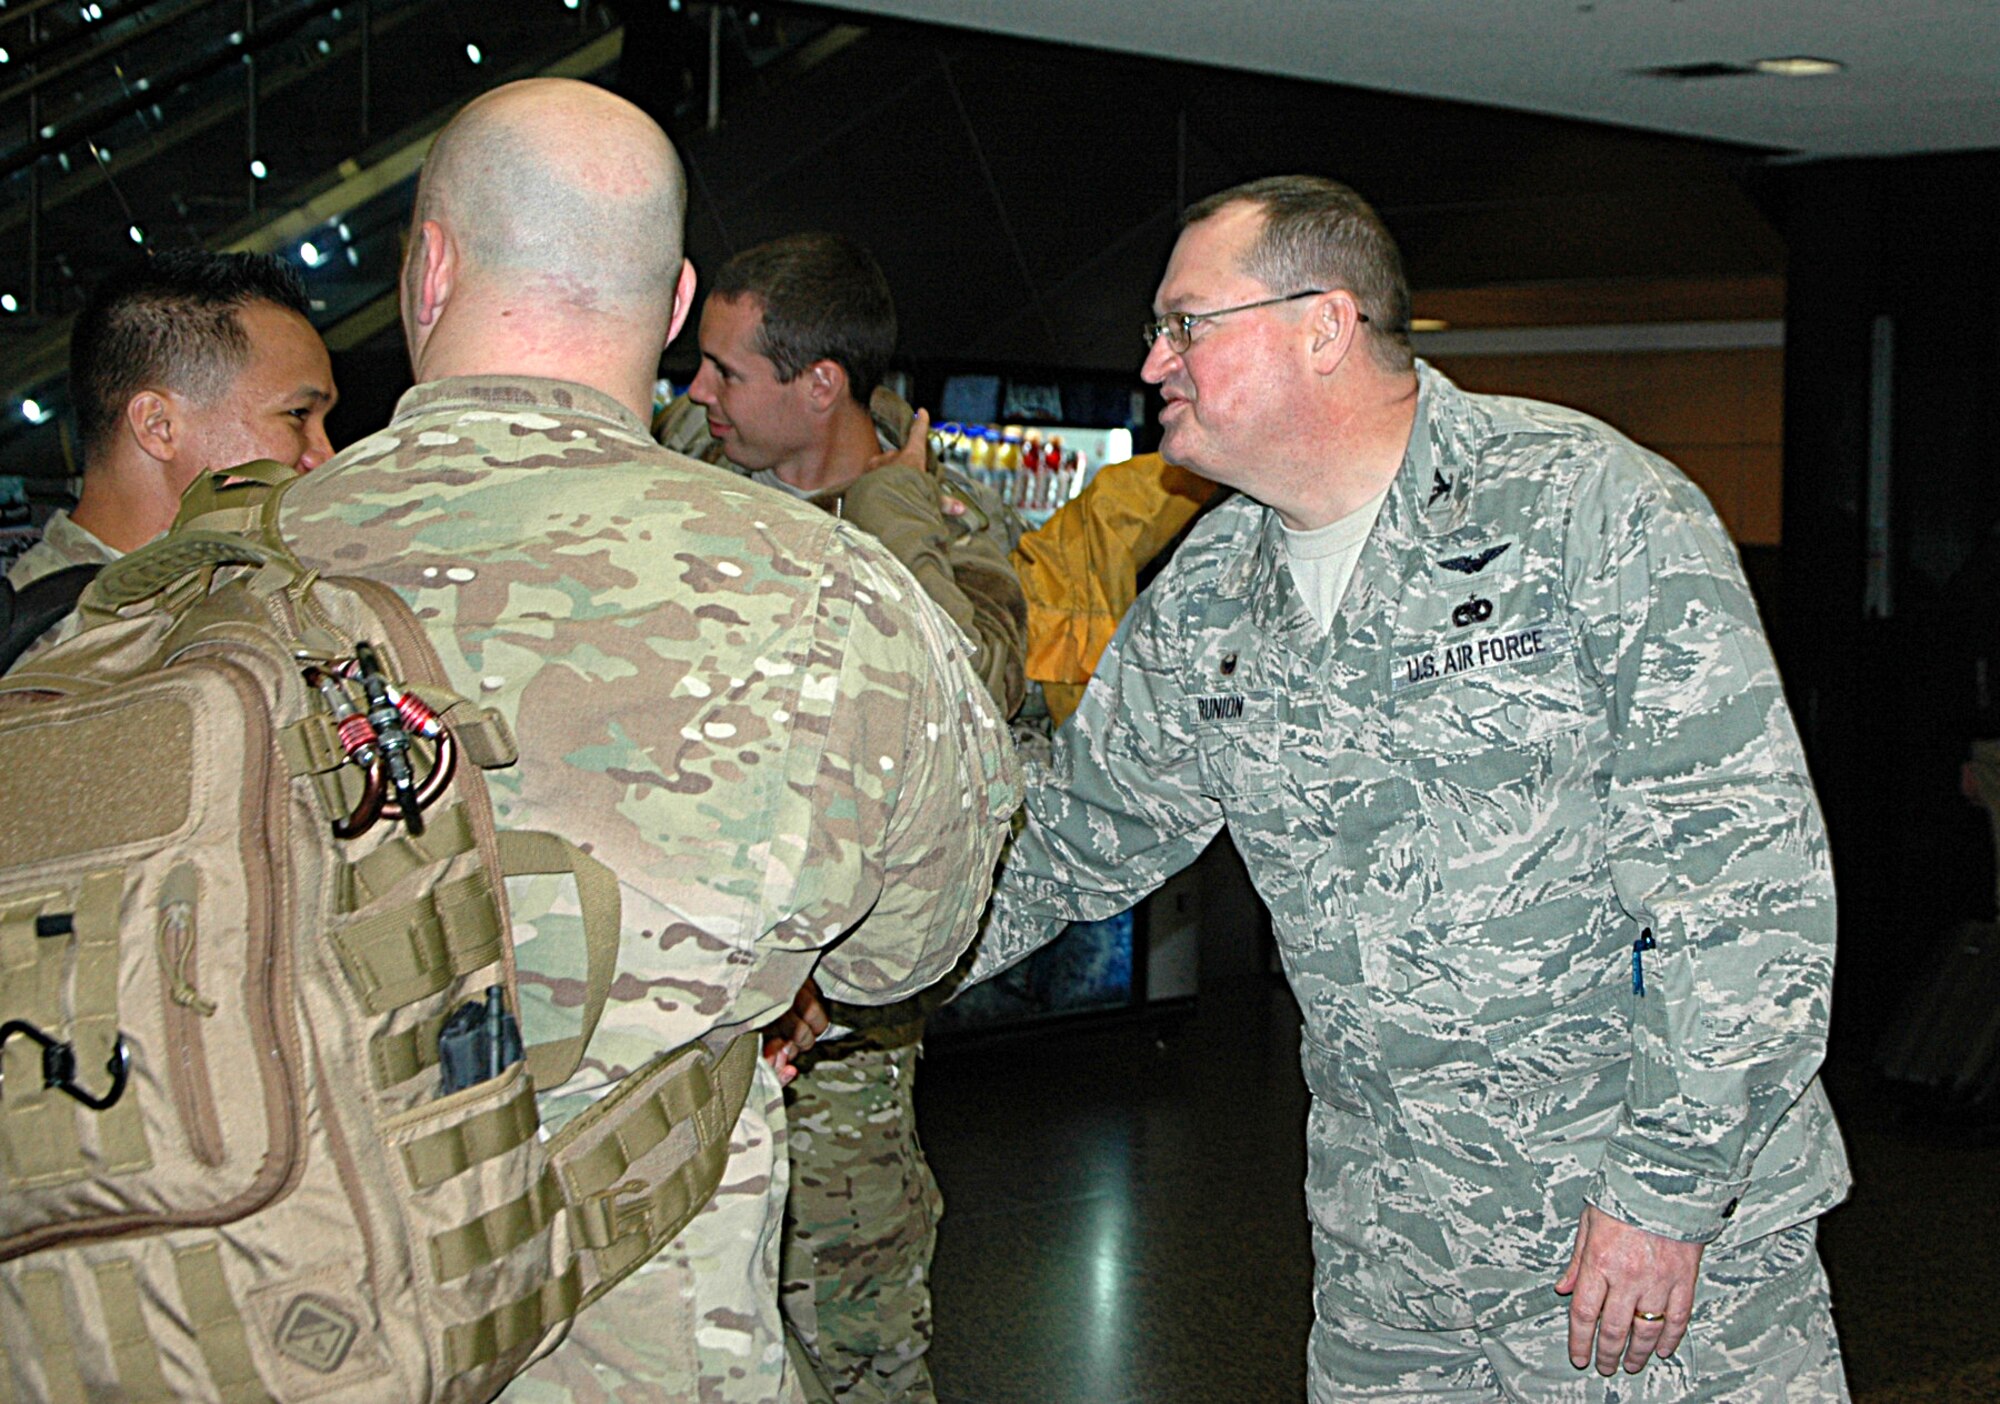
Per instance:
(1719,415)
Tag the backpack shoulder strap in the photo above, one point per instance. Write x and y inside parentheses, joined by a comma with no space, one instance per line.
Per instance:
(29,613)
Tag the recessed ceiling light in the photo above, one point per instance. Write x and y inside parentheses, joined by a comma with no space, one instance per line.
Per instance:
(1428,324)
(1798,66)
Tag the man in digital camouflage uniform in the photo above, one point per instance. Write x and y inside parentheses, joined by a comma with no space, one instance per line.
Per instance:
(189,363)
(795,337)
(1479,691)
(741,704)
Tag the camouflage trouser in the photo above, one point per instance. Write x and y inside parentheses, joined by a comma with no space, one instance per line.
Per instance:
(861,1221)
(700,1321)
(1762,1333)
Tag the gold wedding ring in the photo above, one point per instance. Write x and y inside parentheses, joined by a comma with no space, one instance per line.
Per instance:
(1649,1316)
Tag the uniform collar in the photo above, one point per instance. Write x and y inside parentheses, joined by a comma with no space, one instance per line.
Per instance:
(1433,487)
(516,392)
(1429,497)
(77,544)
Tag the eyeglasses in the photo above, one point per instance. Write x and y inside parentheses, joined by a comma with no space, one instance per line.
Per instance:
(1178,327)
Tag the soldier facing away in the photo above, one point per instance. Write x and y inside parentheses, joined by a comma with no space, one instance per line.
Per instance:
(742,705)
(1478,689)
(795,337)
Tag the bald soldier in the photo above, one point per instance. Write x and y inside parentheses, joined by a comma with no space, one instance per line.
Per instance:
(743,705)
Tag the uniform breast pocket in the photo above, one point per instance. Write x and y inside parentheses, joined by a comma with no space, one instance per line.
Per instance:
(1523,689)
(1242,767)
(1501,760)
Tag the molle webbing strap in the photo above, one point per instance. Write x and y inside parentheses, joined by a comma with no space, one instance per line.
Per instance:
(231,501)
(217,1326)
(120,1129)
(696,1103)
(483,736)
(447,833)
(492,1236)
(442,1154)
(523,852)
(55,1336)
(513,1327)
(398,1057)
(37,1125)
(311,745)
(133,1354)
(38,1144)
(405,955)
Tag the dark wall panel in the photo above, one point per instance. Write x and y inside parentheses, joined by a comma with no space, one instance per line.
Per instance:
(1890,704)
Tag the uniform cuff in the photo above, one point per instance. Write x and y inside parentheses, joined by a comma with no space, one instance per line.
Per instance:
(1663,1199)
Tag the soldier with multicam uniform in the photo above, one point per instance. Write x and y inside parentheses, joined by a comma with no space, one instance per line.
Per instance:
(795,337)
(1479,691)
(742,705)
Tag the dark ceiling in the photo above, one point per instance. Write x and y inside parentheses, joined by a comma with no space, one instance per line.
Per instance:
(1022,196)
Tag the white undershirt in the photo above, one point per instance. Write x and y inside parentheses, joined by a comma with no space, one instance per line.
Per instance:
(1323,559)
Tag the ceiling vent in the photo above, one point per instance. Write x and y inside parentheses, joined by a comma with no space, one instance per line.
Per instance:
(1695,72)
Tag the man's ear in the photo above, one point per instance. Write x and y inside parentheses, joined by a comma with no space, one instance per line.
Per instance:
(683,300)
(436,259)
(826,384)
(1335,325)
(158,424)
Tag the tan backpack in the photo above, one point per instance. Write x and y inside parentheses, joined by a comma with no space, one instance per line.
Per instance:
(235,935)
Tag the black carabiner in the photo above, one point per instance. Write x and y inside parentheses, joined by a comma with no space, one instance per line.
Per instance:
(59,1065)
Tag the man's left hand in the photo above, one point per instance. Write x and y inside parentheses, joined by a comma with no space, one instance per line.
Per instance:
(1630,1289)
(915,452)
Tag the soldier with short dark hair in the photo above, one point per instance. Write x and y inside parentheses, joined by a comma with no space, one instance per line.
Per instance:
(187,363)
(1479,691)
(795,338)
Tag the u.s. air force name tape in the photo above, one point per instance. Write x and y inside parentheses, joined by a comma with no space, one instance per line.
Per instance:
(1510,646)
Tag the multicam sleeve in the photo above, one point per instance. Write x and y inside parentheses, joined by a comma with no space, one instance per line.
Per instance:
(918,771)
(1716,845)
(1118,813)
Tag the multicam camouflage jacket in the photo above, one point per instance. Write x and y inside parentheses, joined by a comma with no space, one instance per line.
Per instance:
(63,544)
(739,703)
(1548,875)
(749,711)
(960,557)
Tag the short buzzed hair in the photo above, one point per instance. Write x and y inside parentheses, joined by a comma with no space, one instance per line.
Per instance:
(600,237)
(169,323)
(1319,234)
(824,299)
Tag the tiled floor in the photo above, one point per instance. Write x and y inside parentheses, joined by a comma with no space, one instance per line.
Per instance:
(1125,1220)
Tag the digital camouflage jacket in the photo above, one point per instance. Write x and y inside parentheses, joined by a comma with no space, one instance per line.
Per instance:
(1546,869)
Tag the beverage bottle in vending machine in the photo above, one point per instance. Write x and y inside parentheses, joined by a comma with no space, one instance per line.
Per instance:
(1046,495)
(979,455)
